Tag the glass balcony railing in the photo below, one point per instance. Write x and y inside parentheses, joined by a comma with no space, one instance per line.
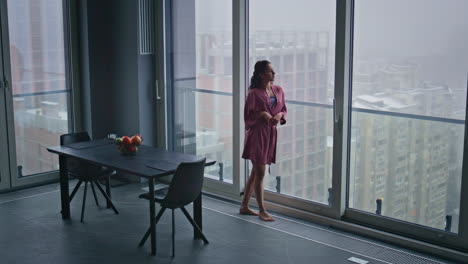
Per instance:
(204,127)
(406,167)
(39,119)
(303,167)
(402,166)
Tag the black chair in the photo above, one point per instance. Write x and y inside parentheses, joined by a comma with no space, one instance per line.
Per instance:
(87,173)
(185,187)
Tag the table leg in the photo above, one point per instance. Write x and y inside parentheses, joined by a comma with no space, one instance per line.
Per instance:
(152,216)
(64,195)
(197,216)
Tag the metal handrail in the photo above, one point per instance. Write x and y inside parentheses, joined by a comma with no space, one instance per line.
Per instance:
(41,93)
(355,109)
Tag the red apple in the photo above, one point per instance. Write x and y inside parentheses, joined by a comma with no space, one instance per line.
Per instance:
(136,140)
(140,137)
(126,141)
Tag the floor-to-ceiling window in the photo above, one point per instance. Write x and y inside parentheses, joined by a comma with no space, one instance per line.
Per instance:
(298,38)
(409,87)
(201,81)
(37,97)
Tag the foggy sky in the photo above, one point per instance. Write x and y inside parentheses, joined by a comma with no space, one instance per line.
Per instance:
(416,30)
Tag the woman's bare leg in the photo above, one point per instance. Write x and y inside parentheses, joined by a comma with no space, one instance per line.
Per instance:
(258,186)
(249,188)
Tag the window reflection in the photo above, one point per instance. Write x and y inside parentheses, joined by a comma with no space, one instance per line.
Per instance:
(202,82)
(40,95)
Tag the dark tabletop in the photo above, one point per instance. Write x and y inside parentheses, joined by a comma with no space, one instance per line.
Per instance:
(147,162)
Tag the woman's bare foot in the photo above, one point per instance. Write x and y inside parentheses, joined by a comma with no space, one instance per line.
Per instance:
(247,211)
(265,217)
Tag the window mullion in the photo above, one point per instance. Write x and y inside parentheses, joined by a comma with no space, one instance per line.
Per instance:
(239,37)
(341,119)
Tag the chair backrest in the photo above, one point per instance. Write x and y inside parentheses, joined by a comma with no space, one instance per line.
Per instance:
(75,167)
(186,185)
(74,138)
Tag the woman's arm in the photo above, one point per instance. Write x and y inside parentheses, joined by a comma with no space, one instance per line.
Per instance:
(277,118)
(266,115)
(284,110)
(254,110)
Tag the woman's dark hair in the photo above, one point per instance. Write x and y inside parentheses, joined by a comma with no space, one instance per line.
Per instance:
(260,67)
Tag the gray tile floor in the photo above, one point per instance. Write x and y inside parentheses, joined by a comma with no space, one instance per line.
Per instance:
(32,231)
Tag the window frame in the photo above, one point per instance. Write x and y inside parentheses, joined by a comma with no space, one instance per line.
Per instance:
(422,233)
(70,40)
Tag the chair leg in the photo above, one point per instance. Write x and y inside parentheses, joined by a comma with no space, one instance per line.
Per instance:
(108,191)
(148,232)
(84,201)
(107,198)
(75,190)
(94,193)
(194,224)
(173,234)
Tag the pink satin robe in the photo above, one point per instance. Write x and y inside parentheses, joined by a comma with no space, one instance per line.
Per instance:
(260,136)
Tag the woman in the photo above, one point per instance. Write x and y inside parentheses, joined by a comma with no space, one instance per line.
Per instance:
(264,109)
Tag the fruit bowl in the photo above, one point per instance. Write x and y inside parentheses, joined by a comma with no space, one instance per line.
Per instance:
(128,145)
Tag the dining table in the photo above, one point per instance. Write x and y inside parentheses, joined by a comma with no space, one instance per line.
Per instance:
(148,162)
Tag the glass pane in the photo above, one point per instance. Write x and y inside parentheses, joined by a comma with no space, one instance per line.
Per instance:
(303,167)
(39,122)
(298,37)
(408,110)
(38,82)
(202,84)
